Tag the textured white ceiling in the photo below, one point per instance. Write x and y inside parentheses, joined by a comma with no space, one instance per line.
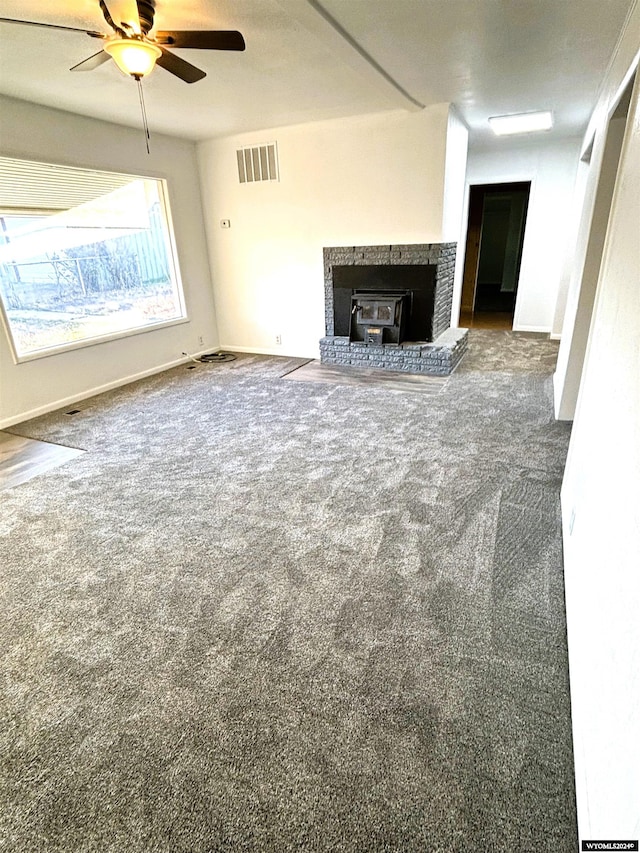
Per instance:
(486,56)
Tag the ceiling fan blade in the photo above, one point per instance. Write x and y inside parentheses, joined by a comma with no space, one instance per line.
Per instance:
(184,70)
(91,33)
(202,39)
(122,14)
(92,62)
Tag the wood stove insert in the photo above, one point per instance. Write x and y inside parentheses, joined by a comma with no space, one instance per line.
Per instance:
(379,318)
(404,293)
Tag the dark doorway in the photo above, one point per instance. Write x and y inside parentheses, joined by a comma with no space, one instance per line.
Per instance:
(495,234)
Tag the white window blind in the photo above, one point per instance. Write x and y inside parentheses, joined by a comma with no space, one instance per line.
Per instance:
(26,185)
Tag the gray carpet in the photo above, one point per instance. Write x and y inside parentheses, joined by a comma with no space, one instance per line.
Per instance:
(264,615)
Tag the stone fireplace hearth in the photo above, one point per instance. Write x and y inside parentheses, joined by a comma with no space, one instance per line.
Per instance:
(431,346)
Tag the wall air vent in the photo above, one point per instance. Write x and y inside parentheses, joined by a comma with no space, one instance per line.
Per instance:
(258,164)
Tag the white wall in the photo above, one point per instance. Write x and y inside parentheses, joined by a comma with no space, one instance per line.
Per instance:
(551,168)
(453,225)
(601,507)
(591,231)
(370,180)
(454,218)
(37,133)
(572,238)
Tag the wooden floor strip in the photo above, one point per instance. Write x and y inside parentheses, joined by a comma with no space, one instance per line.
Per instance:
(21,458)
(314,371)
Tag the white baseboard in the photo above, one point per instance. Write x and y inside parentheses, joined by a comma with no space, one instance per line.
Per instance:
(252,350)
(267,351)
(545,330)
(98,389)
(555,336)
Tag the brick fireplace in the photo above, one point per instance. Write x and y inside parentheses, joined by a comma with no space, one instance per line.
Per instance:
(433,347)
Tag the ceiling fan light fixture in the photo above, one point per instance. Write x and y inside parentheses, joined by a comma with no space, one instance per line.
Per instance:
(521,123)
(134,57)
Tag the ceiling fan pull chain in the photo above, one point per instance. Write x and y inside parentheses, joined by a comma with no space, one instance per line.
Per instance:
(145,123)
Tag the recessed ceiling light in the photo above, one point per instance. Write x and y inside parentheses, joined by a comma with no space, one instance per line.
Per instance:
(521,123)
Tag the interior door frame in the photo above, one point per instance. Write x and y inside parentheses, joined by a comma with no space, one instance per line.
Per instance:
(473,236)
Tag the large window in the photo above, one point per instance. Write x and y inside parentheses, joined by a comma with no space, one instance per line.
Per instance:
(84,256)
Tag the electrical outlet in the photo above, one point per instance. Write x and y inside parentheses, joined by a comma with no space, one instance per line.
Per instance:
(278,340)
(200,341)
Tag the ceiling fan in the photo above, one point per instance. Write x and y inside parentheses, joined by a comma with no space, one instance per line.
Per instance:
(134,51)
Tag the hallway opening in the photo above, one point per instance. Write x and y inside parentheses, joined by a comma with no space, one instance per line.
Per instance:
(495,234)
